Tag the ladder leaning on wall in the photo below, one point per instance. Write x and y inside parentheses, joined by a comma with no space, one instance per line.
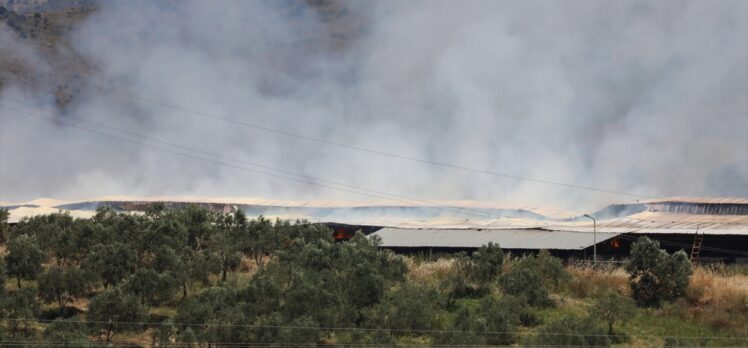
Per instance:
(698,240)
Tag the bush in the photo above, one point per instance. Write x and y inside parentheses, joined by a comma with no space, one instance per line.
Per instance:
(525,280)
(612,308)
(654,275)
(412,307)
(491,321)
(551,269)
(572,331)
(486,263)
(67,333)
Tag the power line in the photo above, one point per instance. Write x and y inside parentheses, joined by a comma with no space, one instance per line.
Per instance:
(285,175)
(322,328)
(365,149)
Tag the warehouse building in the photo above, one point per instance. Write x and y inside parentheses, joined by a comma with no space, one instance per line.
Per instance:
(708,229)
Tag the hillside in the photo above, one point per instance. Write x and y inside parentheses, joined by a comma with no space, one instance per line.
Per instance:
(39,53)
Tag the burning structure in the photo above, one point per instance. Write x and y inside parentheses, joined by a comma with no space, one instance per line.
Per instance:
(714,229)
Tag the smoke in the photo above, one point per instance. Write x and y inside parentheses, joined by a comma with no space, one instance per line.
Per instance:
(634,96)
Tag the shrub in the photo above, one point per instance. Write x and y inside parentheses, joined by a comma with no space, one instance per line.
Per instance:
(492,322)
(67,333)
(551,269)
(410,306)
(486,263)
(524,280)
(611,308)
(654,275)
(572,331)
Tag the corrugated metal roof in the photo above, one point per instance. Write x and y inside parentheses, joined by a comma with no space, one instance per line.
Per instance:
(369,214)
(702,200)
(507,239)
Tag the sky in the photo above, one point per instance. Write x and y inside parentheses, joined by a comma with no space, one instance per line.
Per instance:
(645,98)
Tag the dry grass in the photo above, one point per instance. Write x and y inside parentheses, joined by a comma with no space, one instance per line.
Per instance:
(588,282)
(249,266)
(719,300)
(431,271)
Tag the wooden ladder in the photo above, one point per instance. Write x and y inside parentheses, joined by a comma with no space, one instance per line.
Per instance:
(698,240)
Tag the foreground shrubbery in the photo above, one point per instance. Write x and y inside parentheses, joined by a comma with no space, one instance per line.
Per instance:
(172,276)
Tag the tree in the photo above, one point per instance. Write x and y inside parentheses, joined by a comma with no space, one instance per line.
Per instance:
(150,286)
(67,333)
(24,258)
(4,214)
(111,262)
(52,233)
(215,305)
(114,311)
(21,309)
(551,269)
(62,285)
(60,237)
(524,280)
(486,263)
(654,275)
(260,240)
(612,308)
(3,277)
(225,243)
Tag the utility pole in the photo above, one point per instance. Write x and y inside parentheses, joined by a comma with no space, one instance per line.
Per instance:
(594,239)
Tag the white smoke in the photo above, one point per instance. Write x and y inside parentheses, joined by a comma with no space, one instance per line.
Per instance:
(642,97)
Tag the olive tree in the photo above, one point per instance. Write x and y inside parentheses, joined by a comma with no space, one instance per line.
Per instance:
(524,279)
(61,285)
(114,311)
(612,308)
(24,258)
(655,275)
(3,224)
(150,286)
(21,309)
(486,263)
(225,243)
(111,263)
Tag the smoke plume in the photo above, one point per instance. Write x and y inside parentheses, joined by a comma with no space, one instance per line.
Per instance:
(634,96)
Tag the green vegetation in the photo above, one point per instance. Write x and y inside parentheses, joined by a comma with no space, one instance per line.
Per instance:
(656,276)
(197,278)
